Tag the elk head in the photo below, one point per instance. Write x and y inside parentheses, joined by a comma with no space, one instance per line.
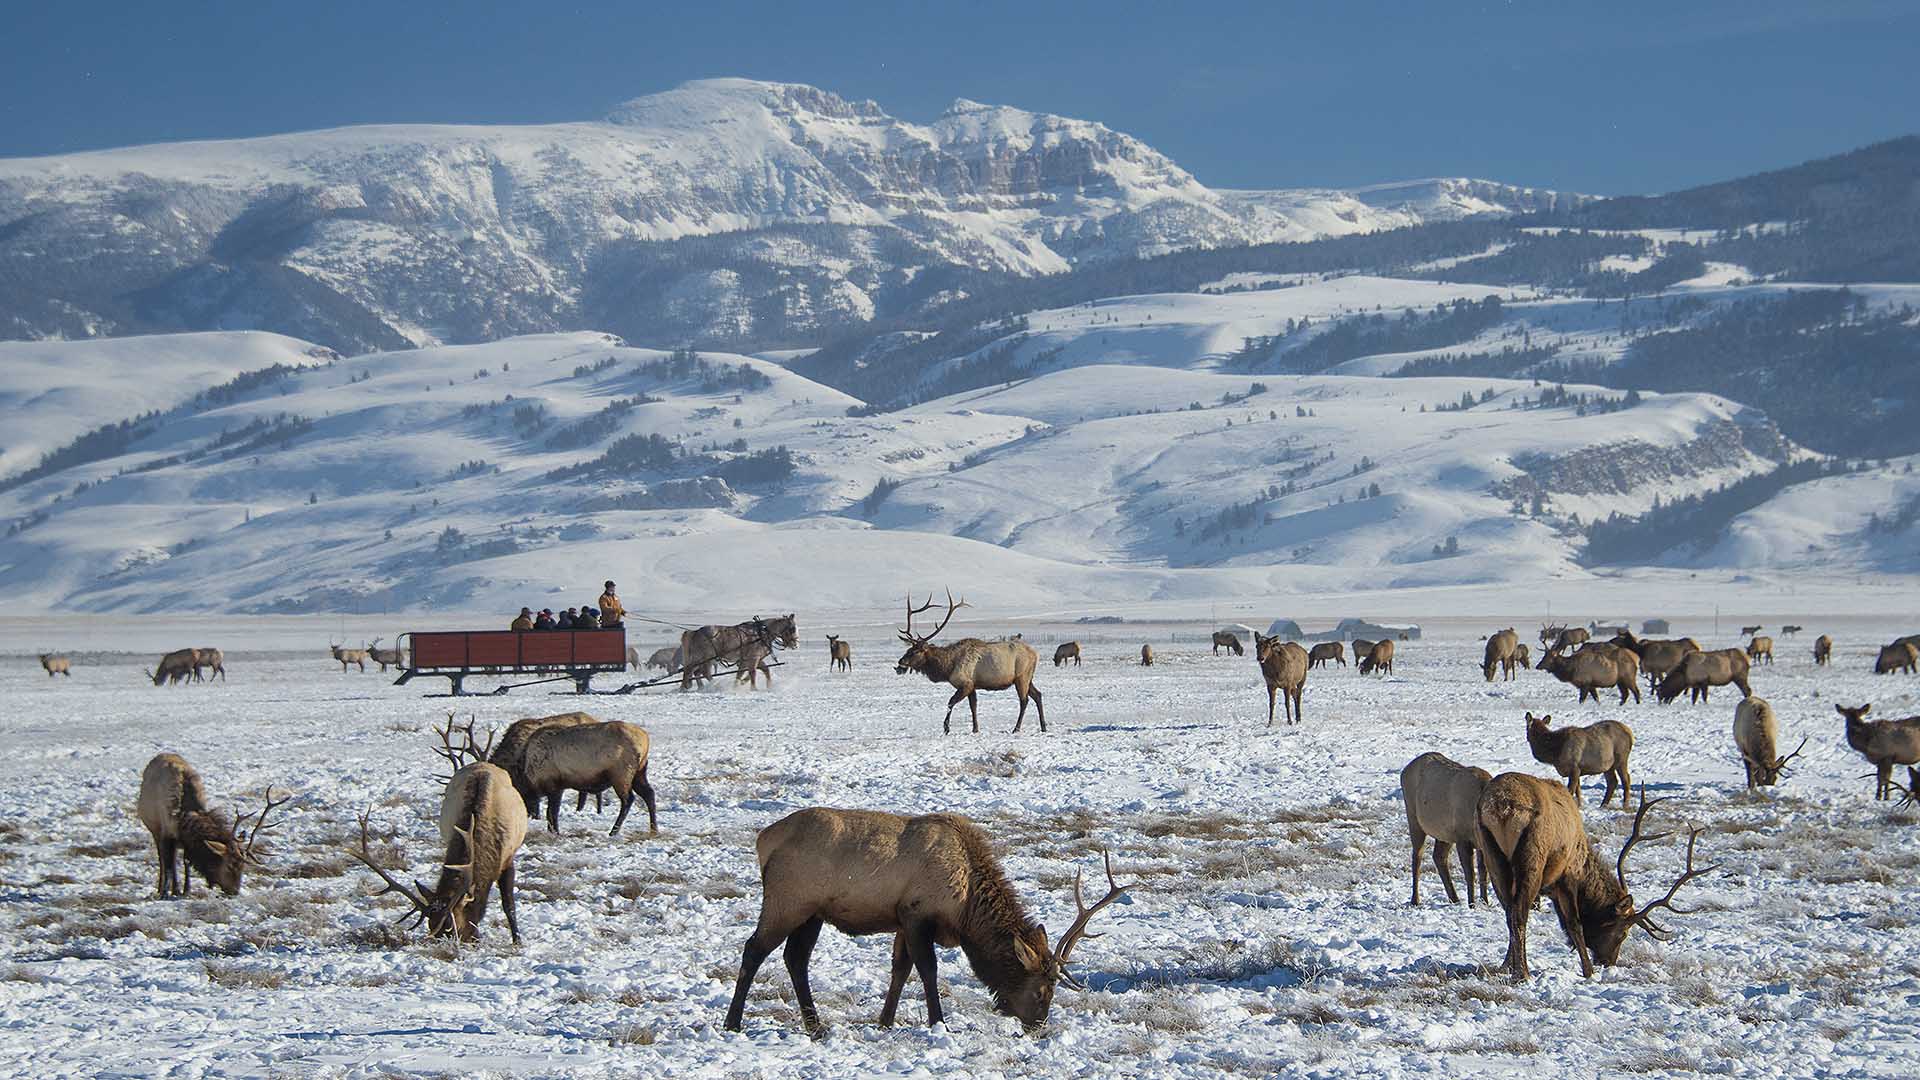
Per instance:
(443,907)
(918,645)
(1044,969)
(233,852)
(1769,774)
(1608,928)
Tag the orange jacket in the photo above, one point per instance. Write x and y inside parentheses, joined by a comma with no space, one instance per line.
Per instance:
(611,609)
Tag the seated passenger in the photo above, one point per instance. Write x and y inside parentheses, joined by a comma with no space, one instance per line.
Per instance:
(524,622)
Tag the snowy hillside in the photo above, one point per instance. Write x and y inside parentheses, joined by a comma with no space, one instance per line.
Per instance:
(484,477)
(722,209)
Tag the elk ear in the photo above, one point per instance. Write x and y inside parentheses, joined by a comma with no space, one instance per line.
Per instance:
(1030,958)
(217,848)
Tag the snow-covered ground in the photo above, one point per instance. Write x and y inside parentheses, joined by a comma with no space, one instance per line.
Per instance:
(1268,933)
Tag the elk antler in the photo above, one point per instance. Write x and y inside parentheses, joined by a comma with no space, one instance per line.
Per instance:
(249,849)
(365,855)
(1781,765)
(1642,917)
(468,753)
(1063,952)
(912,638)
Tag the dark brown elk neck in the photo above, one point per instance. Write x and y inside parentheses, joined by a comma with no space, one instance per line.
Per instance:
(992,919)
(1548,744)
(941,662)
(1593,883)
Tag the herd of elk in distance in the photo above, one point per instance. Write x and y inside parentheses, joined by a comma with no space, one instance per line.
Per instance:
(934,880)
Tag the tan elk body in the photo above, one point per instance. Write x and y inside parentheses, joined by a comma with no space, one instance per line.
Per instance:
(971,665)
(1536,844)
(1885,743)
(1897,657)
(1326,652)
(839,653)
(356,657)
(1500,652)
(1283,665)
(211,659)
(588,757)
(1595,668)
(1067,650)
(1361,647)
(482,825)
(173,806)
(1699,672)
(175,667)
(1379,658)
(1146,656)
(1822,650)
(1657,657)
(931,880)
(1226,639)
(1442,800)
(1601,749)
(1756,734)
(55,664)
(1760,648)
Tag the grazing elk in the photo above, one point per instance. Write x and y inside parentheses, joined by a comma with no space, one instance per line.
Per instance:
(1822,650)
(1361,647)
(1600,749)
(1230,640)
(510,753)
(1699,672)
(1442,798)
(1749,631)
(1899,656)
(175,667)
(356,657)
(1067,650)
(1499,653)
(1569,637)
(1885,743)
(1756,734)
(1146,656)
(1657,658)
(386,658)
(55,664)
(478,855)
(704,646)
(633,658)
(586,758)
(1595,668)
(971,665)
(173,806)
(665,659)
(1325,652)
(839,654)
(1283,665)
(213,660)
(1760,648)
(1379,658)
(1522,661)
(1534,842)
(1789,630)
(928,880)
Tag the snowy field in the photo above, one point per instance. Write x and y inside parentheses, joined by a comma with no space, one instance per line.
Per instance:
(1269,933)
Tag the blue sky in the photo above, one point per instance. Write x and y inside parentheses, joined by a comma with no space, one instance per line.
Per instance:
(1608,98)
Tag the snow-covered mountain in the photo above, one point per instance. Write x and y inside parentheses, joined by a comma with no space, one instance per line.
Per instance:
(724,209)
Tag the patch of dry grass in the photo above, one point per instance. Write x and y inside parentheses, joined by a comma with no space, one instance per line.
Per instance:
(244,976)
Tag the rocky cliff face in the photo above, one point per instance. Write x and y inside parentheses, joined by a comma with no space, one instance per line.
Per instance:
(1618,468)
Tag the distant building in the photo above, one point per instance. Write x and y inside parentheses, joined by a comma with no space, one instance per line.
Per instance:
(1655,626)
(1286,628)
(1348,629)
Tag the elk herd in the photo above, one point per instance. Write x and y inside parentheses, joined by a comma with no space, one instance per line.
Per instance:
(934,880)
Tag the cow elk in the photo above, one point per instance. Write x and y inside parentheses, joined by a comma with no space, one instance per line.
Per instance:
(1228,640)
(1499,655)
(1569,637)
(586,757)
(1600,749)
(971,665)
(1067,650)
(1760,648)
(55,664)
(1749,631)
(1822,650)
(1379,658)
(1699,672)
(1756,735)
(928,880)
(1361,647)
(1146,656)
(1442,799)
(1326,652)
(481,829)
(1885,743)
(665,659)
(1595,668)
(173,806)
(1283,665)
(1657,658)
(839,654)
(1535,842)
(1789,630)
(1897,657)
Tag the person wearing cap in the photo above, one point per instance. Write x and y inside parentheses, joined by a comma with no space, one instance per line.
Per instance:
(587,619)
(612,612)
(524,622)
(543,621)
(564,620)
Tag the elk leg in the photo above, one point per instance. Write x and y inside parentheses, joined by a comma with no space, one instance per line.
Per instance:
(1573,785)
(1566,905)
(1271,690)
(1466,861)
(973,706)
(506,901)
(1419,845)
(1039,708)
(751,958)
(1295,693)
(1883,790)
(920,948)
(553,812)
(166,868)
(646,795)
(1442,855)
(799,949)
(1608,797)
(902,964)
(1626,787)
(946,725)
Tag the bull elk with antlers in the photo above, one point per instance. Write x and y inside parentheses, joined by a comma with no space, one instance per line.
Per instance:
(479,853)
(1756,734)
(356,657)
(173,806)
(970,665)
(928,880)
(1534,842)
